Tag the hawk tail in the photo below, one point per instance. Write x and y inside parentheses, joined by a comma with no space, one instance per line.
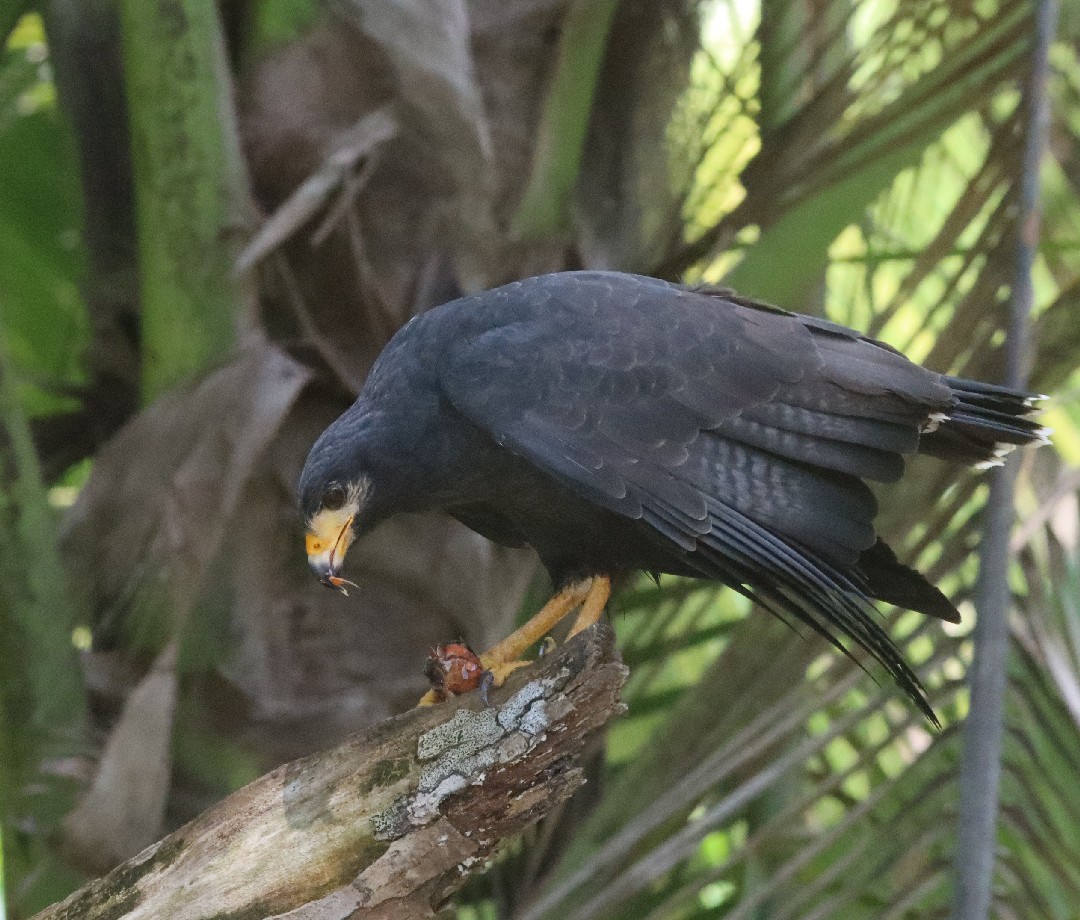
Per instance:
(985,422)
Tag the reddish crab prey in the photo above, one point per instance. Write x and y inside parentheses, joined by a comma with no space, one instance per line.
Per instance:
(455,669)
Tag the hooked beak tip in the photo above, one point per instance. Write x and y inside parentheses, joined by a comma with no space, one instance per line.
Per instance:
(329,576)
(322,570)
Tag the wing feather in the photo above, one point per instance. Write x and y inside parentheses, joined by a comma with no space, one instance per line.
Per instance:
(880,434)
(792,583)
(841,456)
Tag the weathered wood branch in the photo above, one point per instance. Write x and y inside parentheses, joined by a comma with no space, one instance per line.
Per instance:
(387,825)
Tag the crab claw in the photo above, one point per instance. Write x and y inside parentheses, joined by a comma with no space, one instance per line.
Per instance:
(336,581)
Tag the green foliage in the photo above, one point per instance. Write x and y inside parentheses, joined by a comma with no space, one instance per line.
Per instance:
(41,692)
(277,22)
(45,323)
(783,264)
(42,330)
(188,162)
(190,185)
(543,209)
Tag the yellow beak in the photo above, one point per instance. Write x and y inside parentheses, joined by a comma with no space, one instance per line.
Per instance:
(328,539)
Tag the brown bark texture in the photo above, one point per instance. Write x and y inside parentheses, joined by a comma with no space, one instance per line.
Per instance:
(390,823)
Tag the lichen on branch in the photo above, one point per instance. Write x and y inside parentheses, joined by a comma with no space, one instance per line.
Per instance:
(388,824)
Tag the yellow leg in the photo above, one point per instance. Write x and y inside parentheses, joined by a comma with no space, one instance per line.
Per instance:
(594,605)
(513,646)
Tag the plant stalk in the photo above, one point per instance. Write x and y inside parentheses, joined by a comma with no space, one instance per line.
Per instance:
(980,765)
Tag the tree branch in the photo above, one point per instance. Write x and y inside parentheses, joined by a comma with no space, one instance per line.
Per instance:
(388,824)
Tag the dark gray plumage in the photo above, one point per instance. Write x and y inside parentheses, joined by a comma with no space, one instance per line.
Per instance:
(619,423)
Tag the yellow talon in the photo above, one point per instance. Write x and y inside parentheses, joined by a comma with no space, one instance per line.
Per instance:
(503,659)
(430,698)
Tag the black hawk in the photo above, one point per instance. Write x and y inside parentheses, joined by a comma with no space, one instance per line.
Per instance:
(618,423)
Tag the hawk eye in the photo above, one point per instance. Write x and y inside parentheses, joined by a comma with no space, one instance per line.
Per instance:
(333,498)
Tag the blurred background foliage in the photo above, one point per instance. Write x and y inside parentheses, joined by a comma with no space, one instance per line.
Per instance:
(210,224)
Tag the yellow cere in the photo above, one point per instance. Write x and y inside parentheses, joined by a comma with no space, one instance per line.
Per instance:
(330,532)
